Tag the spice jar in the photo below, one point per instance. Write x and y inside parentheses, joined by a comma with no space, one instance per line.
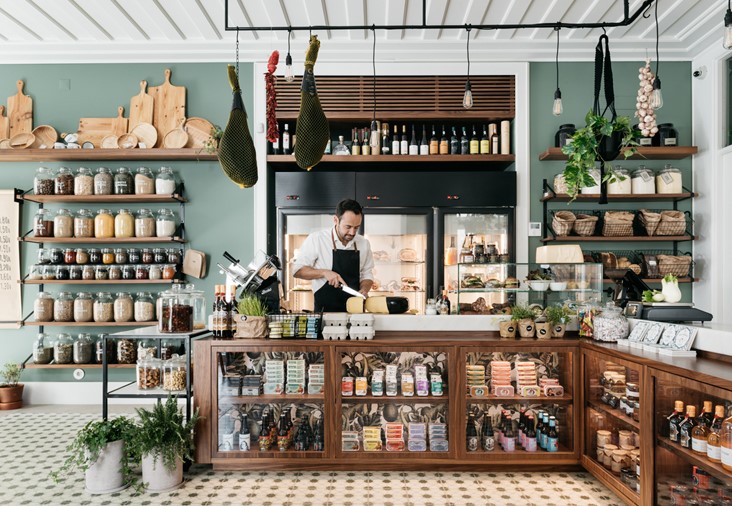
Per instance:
(168,271)
(43,307)
(49,272)
(82,256)
(668,180)
(83,349)
(62,273)
(128,271)
(84,182)
(175,256)
(123,182)
(104,307)
(147,348)
(55,256)
(564,135)
(111,349)
(159,255)
(134,256)
(643,181)
(107,256)
(84,223)
(63,223)
(148,373)
(75,273)
(147,256)
(87,272)
(83,307)
(165,223)
(69,256)
(43,182)
(610,324)
(144,223)
(168,348)
(175,374)
(43,223)
(155,272)
(667,135)
(176,313)
(64,181)
(104,224)
(126,351)
(124,308)
(165,181)
(44,257)
(115,272)
(95,256)
(124,224)
(63,349)
(620,183)
(120,256)
(42,350)
(101,273)
(63,307)
(144,182)
(103,182)
(35,272)
(142,271)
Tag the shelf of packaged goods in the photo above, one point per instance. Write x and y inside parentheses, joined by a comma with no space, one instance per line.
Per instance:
(77,366)
(131,391)
(290,159)
(630,238)
(111,240)
(385,399)
(268,454)
(260,399)
(99,282)
(615,414)
(713,468)
(643,197)
(611,480)
(70,155)
(90,324)
(643,153)
(103,199)
(655,280)
(494,399)
(405,454)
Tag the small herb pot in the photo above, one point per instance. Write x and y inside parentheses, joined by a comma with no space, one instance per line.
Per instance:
(543,330)
(558,329)
(526,327)
(507,329)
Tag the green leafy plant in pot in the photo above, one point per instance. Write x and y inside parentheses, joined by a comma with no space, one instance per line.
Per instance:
(11,392)
(251,322)
(525,319)
(558,317)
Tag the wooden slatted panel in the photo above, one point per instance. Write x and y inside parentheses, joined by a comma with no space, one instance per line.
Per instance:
(351,97)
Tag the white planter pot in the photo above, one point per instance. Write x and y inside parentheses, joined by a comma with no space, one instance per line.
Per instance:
(159,479)
(105,475)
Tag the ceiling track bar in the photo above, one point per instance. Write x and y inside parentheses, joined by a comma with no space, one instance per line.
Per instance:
(628,19)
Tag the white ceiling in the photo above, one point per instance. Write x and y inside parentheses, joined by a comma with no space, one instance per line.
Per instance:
(193,30)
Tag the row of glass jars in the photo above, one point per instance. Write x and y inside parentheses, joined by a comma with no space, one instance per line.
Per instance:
(108,256)
(168,374)
(86,307)
(641,181)
(124,181)
(103,225)
(102,272)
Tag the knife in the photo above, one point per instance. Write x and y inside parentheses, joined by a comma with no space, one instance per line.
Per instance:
(351,291)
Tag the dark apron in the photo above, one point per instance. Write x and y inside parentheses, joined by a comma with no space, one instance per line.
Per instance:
(347,264)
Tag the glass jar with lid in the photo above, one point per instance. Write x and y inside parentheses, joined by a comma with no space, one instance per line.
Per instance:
(63,307)
(35,272)
(144,181)
(168,271)
(176,312)
(103,182)
(69,256)
(43,223)
(124,184)
(147,256)
(147,348)
(87,272)
(165,181)
(144,223)
(148,373)
(155,272)
(142,271)
(175,256)
(63,223)
(64,181)
(75,273)
(44,257)
(124,224)
(84,307)
(134,256)
(564,135)
(43,307)
(101,272)
(159,255)
(104,307)
(128,271)
(668,180)
(56,256)
(44,181)
(120,256)
(42,350)
(82,256)
(84,349)
(667,135)
(107,256)
(95,256)
(62,272)
(643,181)
(115,272)
(198,301)
(175,374)
(63,349)
(49,272)
(111,349)
(430,307)
(165,223)
(84,223)
(610,324)
(124,307)
(104,224)
(84,182)
(126,351)
(595,188)
(168,348)
(144,307)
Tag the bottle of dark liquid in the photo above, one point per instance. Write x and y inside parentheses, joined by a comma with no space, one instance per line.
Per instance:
(286,140)
(471,434)
(434,143)
(485,143)
(509,436)
(233,310)
(214,314)
(474,143)
(404,145)
(244,435)
(365,145)
(464,143)
(275,145)
(521,427)
(707,413)
(355,145)
(424,146)
(302,438)
(385,142)
(552,443)
(545,432)
(530,435)
(539,427)
(283,433)
(686,426)
(673,421)
(488,439)
(444,143)
(413,146)
(395,144)
(318,436)
(454,143)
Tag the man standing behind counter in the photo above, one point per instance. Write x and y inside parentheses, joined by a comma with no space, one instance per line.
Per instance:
(337,256)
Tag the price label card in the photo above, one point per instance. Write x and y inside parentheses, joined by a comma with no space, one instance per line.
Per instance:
(10,301)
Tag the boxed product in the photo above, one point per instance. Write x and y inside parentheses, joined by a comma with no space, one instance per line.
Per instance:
(436,384)
(349,441)
(362,386)
(377,382)
(391,380)
(422,384)
(407,384)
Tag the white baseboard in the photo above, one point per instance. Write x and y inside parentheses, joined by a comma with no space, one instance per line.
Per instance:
(64,392)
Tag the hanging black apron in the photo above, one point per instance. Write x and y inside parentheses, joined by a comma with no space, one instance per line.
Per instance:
(347,264)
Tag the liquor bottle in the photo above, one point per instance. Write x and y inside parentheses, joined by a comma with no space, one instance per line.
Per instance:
(365,145)
(286,140)
(227,433)
(341,148)
(302,438)
(464,143)
(485,143)
(545,432)
(539,427)
(707,413)
(283,433)
(445,306)
(530,437)
(474,143)
(413,146)
(273,428)
(509,436)
(395,144)
(244,435)
(495,141)
(552,444)
(454,143)
(275,145)
(214,314)
(424,147)
(471,434)
(221,312)
(521,427)
(673,420)
(233,310)
(404,145)
(713,441)
(434,143)
(699,436)
(385,141)
(686,426)
(318,436)
(489,440)
(444,143)
(224,314)
(355,146)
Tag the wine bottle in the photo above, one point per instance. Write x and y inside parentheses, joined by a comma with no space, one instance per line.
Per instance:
(454,143)
(355,146)
(485,143)
(474,143)
(385,143)
(413,146)
(395,144)
(434,143)
(444,144)
(471,434)
(365,145)
(464,143)
(404,145)
(286,140)
(424,147)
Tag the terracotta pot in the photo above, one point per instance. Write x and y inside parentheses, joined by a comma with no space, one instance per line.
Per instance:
(507,328)
(105,476)
(251,327)
(11,397)
(543,330)
(559,329)
(526,327)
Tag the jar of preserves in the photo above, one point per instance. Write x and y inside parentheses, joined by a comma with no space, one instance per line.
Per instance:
(43,223)
(124,224)
(155,272)
(165,181)
(147,256)
(69,256)
(101,273)
(175,256)
(667,135)
(63,349)
(144,182)
(668,180)
(84,349)
(159,255)
(64,181)
(176,313)
(95,256)
(128,271)
(42,350)
(147,348)
(120,256)
(103,182)
(124,184)
(124,307)
(142,271)
(75,273)
(82,256)
(148,373)
(144,223)
(43,307)
(87,272)
(84,223)
(115,272)
(643,181)
(564,135)
(104,224)
(198,301)
(44,181)
(63,307)
(62,273)
(165,224)
(610,324)
(107,256)
(63,223)
(104,307)
(126,351)
(83,307)
(84,182)
(168,271)
(144,307)
(175,374)
(134,256)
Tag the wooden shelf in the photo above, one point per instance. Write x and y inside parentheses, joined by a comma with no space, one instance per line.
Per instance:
(656,280)
(662,197)
(631,238)
(90,324)
(103,199)
(615,414)
(610,480)
(493,399)
(520,452)
(398,159)
(354,115)
(644,153)
(713,468)
(276,453)
(77,366)
(70,155)
(98,281)
(111,240)
(265,398)
(386,399)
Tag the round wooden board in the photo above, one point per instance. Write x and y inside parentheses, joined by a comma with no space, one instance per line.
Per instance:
(46,136)
(4,143)
(199,131)
(146,134)
(22,141)
(127,141)
(110,142)
(175,139)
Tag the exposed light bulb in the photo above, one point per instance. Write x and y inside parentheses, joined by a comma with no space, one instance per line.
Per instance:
(289,75)
(557,108)
(468,96)
(656,101)
(727,43)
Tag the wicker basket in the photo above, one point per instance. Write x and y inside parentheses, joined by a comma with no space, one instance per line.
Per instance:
(617,224)
(585,224)
(672,223)
(678,265)
(563,222)
(649,220)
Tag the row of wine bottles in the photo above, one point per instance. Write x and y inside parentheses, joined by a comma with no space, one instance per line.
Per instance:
(530,432)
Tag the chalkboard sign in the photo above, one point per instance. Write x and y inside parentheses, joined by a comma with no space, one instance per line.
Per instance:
(10,301)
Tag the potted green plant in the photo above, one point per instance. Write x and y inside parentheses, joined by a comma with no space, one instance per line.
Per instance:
(525,319)
(100,450)
(11,392)
(557,316)
(163,440)
(507,327)
(251,322)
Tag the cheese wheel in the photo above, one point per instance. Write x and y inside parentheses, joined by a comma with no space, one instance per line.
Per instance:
(354,305)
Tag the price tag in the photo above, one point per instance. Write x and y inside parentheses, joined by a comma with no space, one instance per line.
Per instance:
(645,176)
(667,178)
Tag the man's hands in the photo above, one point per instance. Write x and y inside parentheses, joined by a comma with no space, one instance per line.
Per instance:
(333,278)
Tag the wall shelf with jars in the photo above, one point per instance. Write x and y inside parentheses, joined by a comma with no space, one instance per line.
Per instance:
(643,153)
(121,155)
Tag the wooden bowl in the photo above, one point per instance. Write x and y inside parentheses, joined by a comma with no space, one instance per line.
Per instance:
(127,141)
(175,139)
(146,134)
(199,131)
(46,136)
(110,142)
(4,143)
(22,141)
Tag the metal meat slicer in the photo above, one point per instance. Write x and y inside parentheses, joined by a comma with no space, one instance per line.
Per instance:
(259,277)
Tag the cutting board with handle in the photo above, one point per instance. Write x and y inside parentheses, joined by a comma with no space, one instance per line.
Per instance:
(4,126)
(169,107)
(20,112)
(95,129)
(141,107)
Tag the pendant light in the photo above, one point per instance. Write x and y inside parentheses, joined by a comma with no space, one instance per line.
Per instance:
(468,95)
(375,138)
(656,97)
(727,43)
(289,75)
(557,106)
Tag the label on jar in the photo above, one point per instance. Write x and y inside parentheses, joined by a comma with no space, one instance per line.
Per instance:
(667,178)
(645,141)
(645,176)
(669,141)
(714,453)
(726,456)
(699,445)
(568,141)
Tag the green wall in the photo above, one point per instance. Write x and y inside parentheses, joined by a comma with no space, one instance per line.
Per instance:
(219,216)
(577,85)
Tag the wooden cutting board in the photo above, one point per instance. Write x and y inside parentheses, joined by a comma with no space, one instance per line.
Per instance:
(120,123)
(20,112)
(141,107)
(4,126)
(95,129)
(169,108)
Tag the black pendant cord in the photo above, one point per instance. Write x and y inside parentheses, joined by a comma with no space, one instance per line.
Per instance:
(373,65)
(557,56)
(237,53)
(468,28)
(658,61)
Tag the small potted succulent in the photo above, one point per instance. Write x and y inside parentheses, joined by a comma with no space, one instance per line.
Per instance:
(557,316)
(251,322)
(524,317)
(11,392)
